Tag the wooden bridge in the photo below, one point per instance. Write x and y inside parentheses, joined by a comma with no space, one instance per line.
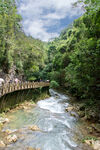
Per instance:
(12,87)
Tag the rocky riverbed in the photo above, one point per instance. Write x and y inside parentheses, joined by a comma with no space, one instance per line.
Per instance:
(51,124)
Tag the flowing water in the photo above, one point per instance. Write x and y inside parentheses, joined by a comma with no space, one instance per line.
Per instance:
(58,129)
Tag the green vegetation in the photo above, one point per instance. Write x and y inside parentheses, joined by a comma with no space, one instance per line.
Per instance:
(73,58)
(54,84)
(12,100)
(70,61)
(88,138)
(17,50)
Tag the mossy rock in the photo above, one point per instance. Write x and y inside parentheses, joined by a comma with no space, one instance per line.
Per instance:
(81,114)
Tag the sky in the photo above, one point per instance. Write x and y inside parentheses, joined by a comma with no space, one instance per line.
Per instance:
(45,19)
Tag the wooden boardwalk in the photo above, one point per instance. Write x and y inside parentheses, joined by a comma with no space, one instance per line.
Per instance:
(12,87)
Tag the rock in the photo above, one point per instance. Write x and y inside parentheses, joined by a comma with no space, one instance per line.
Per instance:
(96,145)
(24,107)
(69,108)
(2,144)
(30,148)
(56,96)
(8,131)
(73,114)
(89,142)
(4,120)
(93,143)
(34,128)
(11,138)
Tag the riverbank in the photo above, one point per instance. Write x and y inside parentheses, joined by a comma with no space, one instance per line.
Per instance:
(89,122)
(33,125)
(89,128)
(24,104)
(12,135)
(11,100)
(8,136)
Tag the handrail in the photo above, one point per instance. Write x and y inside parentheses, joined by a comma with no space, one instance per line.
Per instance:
(11,87)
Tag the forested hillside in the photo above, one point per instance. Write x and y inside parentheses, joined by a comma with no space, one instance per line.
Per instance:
(73,58)
(70,61)
(43,118)
(17,50)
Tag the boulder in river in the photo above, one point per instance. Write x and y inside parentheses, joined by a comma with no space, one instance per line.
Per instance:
(2,144)
(11,138)
(8,131)
(4,120)
(69,108)
(34,128)
(74,114)
(30,148)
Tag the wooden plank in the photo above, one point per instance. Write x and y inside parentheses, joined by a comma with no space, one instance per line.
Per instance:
(11,87)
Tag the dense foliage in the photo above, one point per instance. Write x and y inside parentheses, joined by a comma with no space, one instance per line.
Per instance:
(70,61)
(73,58)
(17,50)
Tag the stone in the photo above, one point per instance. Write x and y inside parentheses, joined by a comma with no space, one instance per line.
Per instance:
(24,107)
(93,143)
(96,145)
(30,148)
(8,131)
(89,142)
(69,108)
(11,138)
(34,128)
(73,114)
(4,120)
(2,144)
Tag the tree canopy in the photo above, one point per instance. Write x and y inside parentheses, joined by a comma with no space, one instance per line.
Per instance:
(17,49)
(74,61)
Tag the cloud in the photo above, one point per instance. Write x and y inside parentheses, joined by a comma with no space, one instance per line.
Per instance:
(40,17)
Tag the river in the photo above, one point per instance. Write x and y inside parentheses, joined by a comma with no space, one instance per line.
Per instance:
(58,129)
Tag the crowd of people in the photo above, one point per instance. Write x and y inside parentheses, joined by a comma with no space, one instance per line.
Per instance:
(2,81)
(15,80)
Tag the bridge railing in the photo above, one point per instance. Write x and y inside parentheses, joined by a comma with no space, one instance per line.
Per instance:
(11,87)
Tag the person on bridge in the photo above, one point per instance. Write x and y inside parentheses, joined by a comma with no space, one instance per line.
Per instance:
(16,80)
(1,81)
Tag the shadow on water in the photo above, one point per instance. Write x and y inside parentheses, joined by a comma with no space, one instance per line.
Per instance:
(10,100)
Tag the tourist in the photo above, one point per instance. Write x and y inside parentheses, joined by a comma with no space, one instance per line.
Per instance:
(1,81)
(16,80)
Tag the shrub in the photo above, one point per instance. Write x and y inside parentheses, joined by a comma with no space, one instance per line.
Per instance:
(54,84)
